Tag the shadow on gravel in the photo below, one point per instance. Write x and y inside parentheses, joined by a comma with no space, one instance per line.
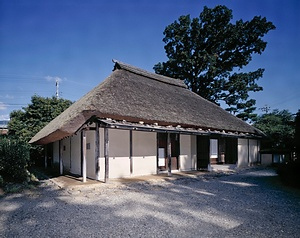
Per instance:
(249,204)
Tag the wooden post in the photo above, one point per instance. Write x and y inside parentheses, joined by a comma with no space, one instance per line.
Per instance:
(70,152)
(157,152)
(178,151)
(169,153)
(97,152)
(46,156)
(83,147)
(248,145)
(130,151)
(60,158)
(106,154)
(258,154)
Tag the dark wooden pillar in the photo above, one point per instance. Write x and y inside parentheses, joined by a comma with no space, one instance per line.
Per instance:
(157,152)
(169,153)
(106,154)
(130,151)
(60,148)
(97,152)
(83,148)
(248,145)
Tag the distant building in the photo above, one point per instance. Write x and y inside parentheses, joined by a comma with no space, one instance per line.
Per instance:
(3,127)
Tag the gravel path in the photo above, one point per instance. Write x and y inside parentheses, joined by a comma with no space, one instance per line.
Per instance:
(252,203)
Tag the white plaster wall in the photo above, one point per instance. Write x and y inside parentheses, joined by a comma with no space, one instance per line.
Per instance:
(102,168)
(144,154)
(56,152)
(242,152)
(194,152)
(119,162)
(253,151)
(266,159)
(185,157)
(76,154)
(119,167)
(90,154)
(66,154)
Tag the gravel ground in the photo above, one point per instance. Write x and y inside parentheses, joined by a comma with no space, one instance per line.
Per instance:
(251,203)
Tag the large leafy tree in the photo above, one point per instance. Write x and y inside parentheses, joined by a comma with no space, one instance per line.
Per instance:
(209,52)
(279,128)
(24,124)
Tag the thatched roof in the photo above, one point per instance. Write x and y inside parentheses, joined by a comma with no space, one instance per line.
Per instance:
(135,95)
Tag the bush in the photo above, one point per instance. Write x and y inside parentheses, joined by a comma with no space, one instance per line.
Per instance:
(14,159)
(290,173)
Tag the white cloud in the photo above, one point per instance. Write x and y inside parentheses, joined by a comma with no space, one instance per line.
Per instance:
(4,117)
(7,96)
(51,78)
(2,106)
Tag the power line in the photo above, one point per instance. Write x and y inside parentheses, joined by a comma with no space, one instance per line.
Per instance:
(13,104)
(287,99)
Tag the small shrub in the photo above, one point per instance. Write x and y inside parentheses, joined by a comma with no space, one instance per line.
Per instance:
(13,188)
(14,159)
(290,173)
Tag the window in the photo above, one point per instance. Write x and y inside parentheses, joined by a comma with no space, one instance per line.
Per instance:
(88,146)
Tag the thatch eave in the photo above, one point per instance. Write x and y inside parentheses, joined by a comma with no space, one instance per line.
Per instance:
(135,95)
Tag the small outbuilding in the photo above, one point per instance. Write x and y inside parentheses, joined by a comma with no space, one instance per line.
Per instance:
(139,123)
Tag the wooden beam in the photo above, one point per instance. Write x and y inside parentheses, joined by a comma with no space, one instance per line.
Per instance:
(106,154)
(130,151)
(169,153)
(97,152)
(61,169)
(83,148)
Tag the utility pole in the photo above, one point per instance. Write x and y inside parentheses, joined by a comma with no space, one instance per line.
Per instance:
(57,88)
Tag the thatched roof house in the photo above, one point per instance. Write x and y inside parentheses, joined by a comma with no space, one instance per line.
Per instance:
(137,123)
(133,95)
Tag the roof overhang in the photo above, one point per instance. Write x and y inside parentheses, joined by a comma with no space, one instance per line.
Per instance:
(141,126)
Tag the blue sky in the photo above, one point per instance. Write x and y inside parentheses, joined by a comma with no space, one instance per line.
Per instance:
(76,41)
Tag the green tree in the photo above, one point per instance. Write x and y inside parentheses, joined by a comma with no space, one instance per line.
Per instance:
(209,52)
(24,124)
(279,128)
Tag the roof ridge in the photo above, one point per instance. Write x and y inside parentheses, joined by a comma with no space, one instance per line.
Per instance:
(142,72)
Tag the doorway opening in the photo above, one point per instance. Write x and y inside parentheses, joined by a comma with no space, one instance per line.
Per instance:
(162,162)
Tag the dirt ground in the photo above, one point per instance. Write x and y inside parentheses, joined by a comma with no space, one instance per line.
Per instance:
(250,203)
